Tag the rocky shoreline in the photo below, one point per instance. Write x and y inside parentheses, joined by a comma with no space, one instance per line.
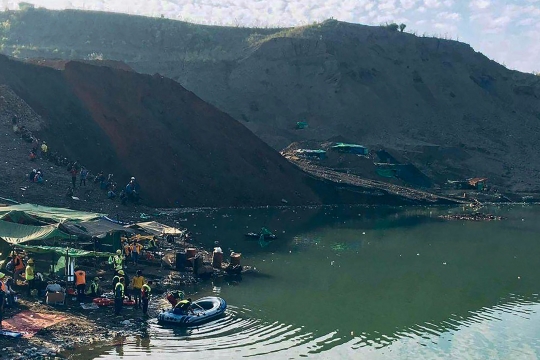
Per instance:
(82,328)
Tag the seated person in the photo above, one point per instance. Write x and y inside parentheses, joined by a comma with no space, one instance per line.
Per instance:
(183,307)
(174,297)
(53,287)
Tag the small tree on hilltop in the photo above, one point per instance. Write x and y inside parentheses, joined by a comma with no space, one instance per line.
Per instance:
(402,27)
(392,26)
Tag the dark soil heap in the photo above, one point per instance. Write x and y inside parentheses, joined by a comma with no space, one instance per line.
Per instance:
(181,150)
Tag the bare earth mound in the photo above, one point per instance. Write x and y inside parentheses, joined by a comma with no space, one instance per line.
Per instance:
(182,150)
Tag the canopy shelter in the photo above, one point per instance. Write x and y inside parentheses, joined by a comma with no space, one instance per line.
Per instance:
(106,234)
(20,217)
(314,153)
(94,228)
(350,148)
(155,228)
(63,251)
(18,233)
(64,257)
(50,214)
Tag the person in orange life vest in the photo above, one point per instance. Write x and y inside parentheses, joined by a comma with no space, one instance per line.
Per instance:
(80,283)
(18,265)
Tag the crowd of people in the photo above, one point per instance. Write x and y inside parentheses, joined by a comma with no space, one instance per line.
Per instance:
(79,174)
(24,275)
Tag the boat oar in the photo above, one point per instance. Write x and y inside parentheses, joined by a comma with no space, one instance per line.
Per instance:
(199,306)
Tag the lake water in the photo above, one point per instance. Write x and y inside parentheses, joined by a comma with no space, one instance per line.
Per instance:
(364,283)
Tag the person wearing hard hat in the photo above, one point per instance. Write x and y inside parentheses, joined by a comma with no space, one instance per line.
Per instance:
(117,277)
(118,261)
(146,292)
(95,290)
(29,275)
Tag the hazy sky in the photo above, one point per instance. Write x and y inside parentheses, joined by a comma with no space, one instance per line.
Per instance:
(507,31)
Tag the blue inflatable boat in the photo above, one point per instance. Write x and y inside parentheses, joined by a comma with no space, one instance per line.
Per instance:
(205,309)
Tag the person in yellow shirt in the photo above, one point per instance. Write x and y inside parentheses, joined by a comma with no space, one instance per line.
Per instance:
(29,275)
(44,149)
(137,283)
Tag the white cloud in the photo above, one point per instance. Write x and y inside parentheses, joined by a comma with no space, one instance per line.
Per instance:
(449,16)
(479,4)
(432,3)
(408,4)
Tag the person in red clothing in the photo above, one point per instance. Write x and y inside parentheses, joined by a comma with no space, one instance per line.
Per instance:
(73,172)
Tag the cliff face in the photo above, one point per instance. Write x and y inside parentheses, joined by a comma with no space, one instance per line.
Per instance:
(438,104)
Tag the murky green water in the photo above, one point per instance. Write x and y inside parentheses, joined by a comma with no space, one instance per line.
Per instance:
(365,284)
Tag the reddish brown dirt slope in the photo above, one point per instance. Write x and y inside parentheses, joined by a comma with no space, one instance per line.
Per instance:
(182,150)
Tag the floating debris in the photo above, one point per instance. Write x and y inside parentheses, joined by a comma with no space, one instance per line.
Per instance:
(472,217)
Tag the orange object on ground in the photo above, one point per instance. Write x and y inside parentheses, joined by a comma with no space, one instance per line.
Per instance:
(29,323)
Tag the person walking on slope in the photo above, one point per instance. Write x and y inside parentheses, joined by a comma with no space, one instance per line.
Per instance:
(80,283)
(119,296)
(146,292)
(44,150)
(73,172)
(84,175)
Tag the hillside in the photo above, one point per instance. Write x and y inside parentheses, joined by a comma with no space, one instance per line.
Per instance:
(435,103)
(181,150)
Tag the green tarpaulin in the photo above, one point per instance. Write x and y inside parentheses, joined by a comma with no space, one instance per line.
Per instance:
(73,253)
(18,233)
(51,213)
(20,217)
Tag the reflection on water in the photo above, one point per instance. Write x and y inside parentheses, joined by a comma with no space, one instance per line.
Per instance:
(364,283)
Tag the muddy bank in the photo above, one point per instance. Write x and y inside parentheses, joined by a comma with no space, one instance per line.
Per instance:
(80,329)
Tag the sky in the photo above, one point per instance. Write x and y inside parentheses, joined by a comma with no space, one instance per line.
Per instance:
(507,31)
